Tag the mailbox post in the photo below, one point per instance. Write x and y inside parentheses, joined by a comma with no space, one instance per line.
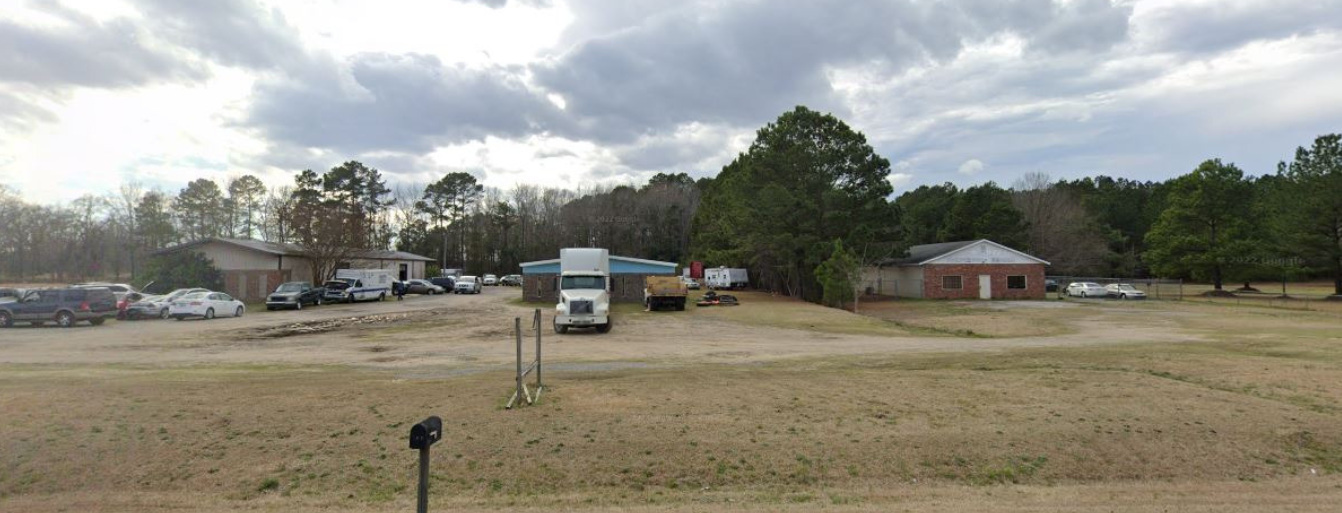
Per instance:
(422,436)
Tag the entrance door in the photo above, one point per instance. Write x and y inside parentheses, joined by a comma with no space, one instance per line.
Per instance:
(405,272)
(985,286)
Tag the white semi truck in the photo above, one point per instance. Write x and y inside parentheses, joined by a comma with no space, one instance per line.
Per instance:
(584,290)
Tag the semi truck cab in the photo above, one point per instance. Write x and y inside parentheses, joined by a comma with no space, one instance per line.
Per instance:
(584,290)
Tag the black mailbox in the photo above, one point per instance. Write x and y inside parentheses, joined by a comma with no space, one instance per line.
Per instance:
(426,433)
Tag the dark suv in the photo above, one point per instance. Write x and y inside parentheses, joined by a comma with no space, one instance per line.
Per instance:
(64,307)
(294,294)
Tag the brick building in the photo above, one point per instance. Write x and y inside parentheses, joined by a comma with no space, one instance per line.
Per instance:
(539,279)
(980,269)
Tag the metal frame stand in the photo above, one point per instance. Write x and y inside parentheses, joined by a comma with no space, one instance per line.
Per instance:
(522,392)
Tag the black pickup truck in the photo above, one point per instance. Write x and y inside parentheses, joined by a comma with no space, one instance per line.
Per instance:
(65,307)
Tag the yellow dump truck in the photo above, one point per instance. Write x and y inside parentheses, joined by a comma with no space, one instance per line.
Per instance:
(664,291)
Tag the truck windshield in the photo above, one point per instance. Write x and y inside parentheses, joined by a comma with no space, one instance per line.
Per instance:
(582,282)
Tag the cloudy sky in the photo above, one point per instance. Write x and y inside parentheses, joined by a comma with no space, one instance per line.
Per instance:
(582,92)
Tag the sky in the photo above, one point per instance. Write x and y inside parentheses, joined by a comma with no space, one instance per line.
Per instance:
(574,93)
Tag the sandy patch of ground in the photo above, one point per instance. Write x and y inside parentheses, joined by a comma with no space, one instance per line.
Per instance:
(1135,407)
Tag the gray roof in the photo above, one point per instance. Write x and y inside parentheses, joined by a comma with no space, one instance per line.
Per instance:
(286,249)
(924,252)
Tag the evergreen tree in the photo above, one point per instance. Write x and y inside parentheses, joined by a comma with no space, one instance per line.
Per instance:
(1311,207)
(807,180)
(200,209)
(1208,228)
(839,276)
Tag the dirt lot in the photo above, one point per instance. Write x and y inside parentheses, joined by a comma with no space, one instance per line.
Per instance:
(772,405)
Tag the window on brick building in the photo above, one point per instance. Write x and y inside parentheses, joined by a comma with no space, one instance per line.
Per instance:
(952,282)
(1015,282)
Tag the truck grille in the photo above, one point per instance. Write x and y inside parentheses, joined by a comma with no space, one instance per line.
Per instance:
(582,307)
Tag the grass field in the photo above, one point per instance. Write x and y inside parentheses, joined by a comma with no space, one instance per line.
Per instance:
(1240,412)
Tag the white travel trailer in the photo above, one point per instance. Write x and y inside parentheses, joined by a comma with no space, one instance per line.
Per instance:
(726,278)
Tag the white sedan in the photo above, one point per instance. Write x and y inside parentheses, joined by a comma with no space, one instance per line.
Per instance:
(1124,291)
(1086,289)
(207,305)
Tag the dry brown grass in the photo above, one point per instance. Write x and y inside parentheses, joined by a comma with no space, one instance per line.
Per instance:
(1241,416)
(763,309)
(981,319)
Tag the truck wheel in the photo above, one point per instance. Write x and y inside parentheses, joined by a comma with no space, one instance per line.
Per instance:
(65,319)
(560,329)
(6,320)
(605,328)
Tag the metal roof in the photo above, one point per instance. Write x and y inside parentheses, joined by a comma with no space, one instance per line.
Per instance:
(924,253)
(618,265)
(286,249)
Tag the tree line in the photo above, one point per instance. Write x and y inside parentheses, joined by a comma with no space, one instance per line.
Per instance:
(331,215)
(807,188)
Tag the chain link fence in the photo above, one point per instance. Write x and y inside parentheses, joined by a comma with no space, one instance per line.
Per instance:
(1292,296)
(1154,288)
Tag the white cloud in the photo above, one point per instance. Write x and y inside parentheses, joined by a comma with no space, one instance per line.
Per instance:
(971,167)
(583,92)
(899,181)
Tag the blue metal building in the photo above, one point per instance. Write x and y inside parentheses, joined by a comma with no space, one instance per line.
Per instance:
(538,278)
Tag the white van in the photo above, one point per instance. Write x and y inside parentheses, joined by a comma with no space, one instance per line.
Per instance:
(352,285)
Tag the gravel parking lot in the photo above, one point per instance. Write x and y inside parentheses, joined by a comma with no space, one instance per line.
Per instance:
(447,334)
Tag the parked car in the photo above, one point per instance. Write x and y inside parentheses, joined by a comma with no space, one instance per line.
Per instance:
(294,295)
(156,307)
(207,305)
(418,286)
(1086,289)
(125,302)
(511,280)
(120,290)
(1124,291)
(467,285)
(448,283)
(65,307)
(690,283)
(1050,285)
(491,280)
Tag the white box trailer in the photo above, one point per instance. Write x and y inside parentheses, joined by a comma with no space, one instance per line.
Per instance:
(726,278)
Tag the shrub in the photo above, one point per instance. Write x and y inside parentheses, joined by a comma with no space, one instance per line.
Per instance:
(183,269)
